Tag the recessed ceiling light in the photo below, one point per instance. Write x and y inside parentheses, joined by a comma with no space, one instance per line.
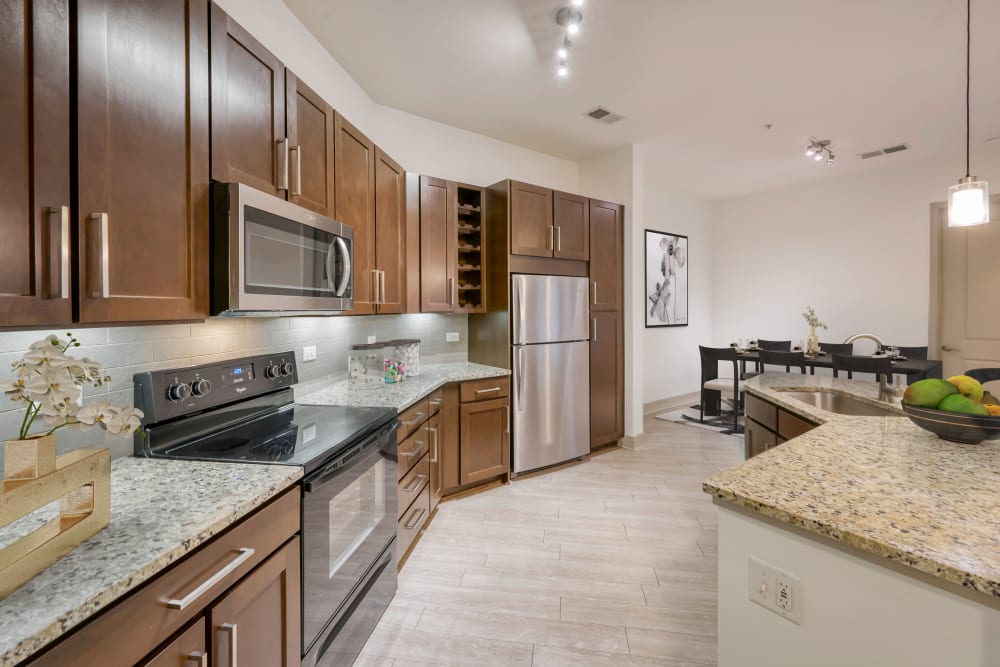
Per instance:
(573,28)
(578,3)
(563,70)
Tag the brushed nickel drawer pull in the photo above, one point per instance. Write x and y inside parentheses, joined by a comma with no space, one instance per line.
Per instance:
(102,229)
(64,252)
(416,483)
(199,658)
(415,519)
(245,554)
(230,629)
(487,391)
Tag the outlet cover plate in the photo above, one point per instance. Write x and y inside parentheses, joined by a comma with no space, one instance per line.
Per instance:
(371,339)
(451,337)
(776,590)
(309,353)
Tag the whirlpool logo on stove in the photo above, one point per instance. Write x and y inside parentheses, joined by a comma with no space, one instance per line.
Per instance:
(240,390)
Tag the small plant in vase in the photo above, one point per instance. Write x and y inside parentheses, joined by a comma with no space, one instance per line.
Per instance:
(812,342)
(49,383)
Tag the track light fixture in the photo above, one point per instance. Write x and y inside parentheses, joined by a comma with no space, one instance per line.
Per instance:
(568,18)
(819,150)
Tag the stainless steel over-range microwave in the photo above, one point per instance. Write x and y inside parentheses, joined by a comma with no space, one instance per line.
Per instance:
(271,256)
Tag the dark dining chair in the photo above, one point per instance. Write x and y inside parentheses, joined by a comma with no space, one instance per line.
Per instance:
(984,375)
(711,358)
(878,365)
(786,359)
(919,352)
(834,348)
(779,345)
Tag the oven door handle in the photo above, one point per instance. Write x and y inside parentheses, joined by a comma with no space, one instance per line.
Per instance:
(345,255)
(322,477)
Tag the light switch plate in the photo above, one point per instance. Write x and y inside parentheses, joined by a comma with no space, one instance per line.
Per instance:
(309,353)
(776,590)
(371,339)
(451,337)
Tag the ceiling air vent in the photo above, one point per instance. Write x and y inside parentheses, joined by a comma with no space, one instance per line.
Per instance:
(603,115)
(884,151)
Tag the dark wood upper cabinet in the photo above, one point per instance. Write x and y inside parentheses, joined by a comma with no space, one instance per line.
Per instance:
(531,230)
(390,233)
(355,206)
(571,218)
(438,245)
(35,269)
(607,377)
(310,147)
(607,255)
(143,163)
(248,108)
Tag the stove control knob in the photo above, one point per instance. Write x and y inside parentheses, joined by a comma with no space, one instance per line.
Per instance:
(287,368)
(201,387)
(179,392)
(272,372)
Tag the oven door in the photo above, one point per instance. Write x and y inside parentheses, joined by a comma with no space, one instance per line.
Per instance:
(283,257)
(348,520)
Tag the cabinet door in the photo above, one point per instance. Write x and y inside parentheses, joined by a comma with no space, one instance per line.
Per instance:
(390,233)
(571,217)
(258,622)
(35,279)
(142,132)
(438,245)
(607,255)
(188,650)
(310,147)
(607,378)
(758,439)
(248,109)
(354,194)
(484,440)
(531,231)
(436,433)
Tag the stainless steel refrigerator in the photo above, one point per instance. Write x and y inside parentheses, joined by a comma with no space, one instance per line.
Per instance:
(551,370)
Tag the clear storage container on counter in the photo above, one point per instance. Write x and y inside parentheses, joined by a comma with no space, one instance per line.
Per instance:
(394,370)
(366,363)
(409,352)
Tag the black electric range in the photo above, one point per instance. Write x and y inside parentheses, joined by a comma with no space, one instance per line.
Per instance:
(243,411)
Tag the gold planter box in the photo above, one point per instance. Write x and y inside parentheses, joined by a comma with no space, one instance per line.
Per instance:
(34,477)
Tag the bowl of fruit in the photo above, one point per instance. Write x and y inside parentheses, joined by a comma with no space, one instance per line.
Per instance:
(957,409)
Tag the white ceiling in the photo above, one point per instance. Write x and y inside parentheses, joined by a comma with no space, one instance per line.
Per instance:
(698,78)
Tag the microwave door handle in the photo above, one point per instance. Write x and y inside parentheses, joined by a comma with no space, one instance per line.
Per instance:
(345,255)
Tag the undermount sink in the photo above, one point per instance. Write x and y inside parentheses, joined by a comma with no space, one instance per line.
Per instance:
(839,404)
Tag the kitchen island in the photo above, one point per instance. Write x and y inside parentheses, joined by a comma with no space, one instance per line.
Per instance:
(892,534)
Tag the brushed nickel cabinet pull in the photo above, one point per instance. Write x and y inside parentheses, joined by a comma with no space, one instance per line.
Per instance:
(595,292)
(434,446)
(451,291)
(281,155)
(375,285)
(230,629)
(199,658)
(593,326)
(552,243)
(558,239)
(102,229)
(296,179)
(245,553)
(415,484)
(487,391)
(506,419)
(415,519)
(62,284)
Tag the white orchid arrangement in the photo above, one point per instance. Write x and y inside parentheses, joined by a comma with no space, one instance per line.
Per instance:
(50,384)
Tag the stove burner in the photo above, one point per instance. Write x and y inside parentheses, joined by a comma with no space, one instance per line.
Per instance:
(276,450)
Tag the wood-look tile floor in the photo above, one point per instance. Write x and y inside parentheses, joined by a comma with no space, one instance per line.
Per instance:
(607,563)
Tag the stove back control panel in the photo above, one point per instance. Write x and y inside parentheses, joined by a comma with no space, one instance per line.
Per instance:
(167,394)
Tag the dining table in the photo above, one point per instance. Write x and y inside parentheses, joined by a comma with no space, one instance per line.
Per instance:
(913,369)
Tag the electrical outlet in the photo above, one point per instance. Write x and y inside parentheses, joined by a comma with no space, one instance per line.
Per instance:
(371,339)
(309,353)
(451,337)
(775,590)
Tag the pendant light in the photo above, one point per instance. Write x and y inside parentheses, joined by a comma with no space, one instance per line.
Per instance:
(969,201)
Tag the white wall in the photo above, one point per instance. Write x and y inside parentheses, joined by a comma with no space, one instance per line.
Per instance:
(855,612)
(672,365)
(419,144)
(855,248)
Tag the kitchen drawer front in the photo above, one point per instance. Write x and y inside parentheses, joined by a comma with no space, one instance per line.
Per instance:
(101,641)
(412,418)
(434,402)
(411,449)
(412,483)
(791,426)
(412,522)
(481,390)
(762,412)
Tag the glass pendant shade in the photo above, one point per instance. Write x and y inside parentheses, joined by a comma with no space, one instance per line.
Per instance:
(968,203)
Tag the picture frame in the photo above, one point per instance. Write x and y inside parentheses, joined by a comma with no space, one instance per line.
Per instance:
(665,293)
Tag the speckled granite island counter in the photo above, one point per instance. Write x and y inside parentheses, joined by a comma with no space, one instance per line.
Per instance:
(160,511)
(402,394)
(894,534)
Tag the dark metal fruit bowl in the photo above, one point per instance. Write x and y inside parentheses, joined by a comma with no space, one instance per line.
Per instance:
(954,426)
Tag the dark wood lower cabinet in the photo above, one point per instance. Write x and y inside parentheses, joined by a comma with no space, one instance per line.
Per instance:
(769,425)
(258,623)
(757,438)
(484,440)
(607,378)
(189,649)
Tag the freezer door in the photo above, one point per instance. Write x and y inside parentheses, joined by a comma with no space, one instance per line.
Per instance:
(551,404)
(549,309)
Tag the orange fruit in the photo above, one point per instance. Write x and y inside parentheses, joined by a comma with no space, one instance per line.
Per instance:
(994,410)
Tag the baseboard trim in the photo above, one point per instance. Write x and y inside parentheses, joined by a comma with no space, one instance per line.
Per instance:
(669,404)
(632,442)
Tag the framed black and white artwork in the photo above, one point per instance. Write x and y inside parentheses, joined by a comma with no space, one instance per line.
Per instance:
(666,296)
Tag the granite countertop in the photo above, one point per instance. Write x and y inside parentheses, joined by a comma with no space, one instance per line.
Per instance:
(402,394)
(160,511)
(879,484)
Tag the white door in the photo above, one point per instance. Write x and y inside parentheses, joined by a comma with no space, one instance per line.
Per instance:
(968,282)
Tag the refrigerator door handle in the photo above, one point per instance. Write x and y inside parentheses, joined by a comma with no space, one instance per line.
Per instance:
(519,294)
(519,378)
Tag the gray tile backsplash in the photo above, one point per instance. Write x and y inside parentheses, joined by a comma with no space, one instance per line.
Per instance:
(125,351)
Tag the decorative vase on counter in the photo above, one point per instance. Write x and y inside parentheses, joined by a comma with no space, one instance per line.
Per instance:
(812,342)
